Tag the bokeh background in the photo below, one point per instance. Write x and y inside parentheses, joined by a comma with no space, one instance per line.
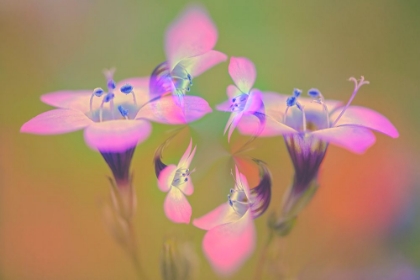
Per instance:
(364,222)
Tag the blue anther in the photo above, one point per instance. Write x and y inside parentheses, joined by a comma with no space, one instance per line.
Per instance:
(291,101)
(189,77)
(123,112)
(234,99)
(111,84)
(109,97)
(127,88)
(186,179)
(98,92)
(297,92)
(314,93)
(230,202)
(231,190)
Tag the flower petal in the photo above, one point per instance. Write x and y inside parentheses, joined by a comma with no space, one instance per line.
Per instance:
(354,138)
(242,181)
(254,102)
(69,99)
(166,177)
(199,64)
(193,33)
(140,88)
(166,110)
(228,246)
(243,73)
(361,116)
(234,122)
(225,106)
(250,125)
(117,135)
(176,206)
(187,157)
(187,188)
(56,121)
(223,214)
(232,91)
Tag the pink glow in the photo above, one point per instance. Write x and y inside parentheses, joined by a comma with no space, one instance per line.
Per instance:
(243,73)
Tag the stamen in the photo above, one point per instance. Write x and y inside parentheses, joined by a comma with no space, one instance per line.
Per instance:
(96,92)
(239,102)
(123,112)
(292,101)
(111,85)
(296,92)
(357,86)
(107,98)
(127,89)
(319,98)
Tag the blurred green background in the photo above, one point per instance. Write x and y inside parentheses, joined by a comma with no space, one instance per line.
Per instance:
(364,220)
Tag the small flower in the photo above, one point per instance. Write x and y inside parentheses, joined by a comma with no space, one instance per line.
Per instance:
(243,100)
(189,43)
(230,237)
(308,125)
(175,179)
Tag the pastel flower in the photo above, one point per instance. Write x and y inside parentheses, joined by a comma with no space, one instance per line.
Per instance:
(230,237)
(243,99)
(308,125)
(189,43)
(176,181)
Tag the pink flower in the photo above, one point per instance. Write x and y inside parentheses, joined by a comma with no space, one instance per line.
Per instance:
(243,99)
(189,43)
(108,117)
(176,181)
(230,237)
(308,126)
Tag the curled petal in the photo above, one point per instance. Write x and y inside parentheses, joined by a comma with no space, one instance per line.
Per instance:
(355,115)
(261,194)
(187,157)
(223,214)
(354,138)
(199,64)
(56,121)
(166,177)
(192,34)
(166,110)
(176,206)
(117,135)
(69,99)
(254,102)
(243,73)
(229,245)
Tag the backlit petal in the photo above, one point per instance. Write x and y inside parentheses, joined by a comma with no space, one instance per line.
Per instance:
(354,138)
(117,135)
(234,123)
(193,33)
(166,110)
(56,121)
(140,88)
(69,99)
(166,177)
(184,159)
(187,188)
(223,214)
(243,73)
(199,64)
(176,206)
(250,125)
(228,246)
(254,102)
(361,116)
(225,106)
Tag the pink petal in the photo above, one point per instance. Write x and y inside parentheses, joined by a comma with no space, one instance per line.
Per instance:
(355,115)
(187,188)
(225,106)
(254,102)
(242,181)
(69,99)
(165,110)
(250,125)
(234,123)
(176,206)
(354,138)
(117,135)
(185,156)
(223,214)
(243,73)
(166,177)
(193,33)
(232,91)
(228,246)
(56,121)
(199,64)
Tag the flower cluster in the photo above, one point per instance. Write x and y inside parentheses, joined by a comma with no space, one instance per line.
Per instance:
(116,119)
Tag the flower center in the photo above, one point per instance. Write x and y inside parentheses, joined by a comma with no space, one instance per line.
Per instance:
(238,201)
(238,102)
(181,177)
(128,111)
